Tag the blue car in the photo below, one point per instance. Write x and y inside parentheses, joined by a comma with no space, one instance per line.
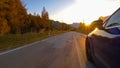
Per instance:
(103,43)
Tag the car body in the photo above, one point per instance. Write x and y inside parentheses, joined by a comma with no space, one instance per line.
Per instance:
(103,44)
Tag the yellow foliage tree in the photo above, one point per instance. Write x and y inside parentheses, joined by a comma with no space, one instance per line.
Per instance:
(4,27)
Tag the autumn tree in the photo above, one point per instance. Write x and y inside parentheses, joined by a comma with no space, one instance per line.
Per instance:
(81,27)
(16,16)
(64,26)
(4,8)
(45,19)
(4,27)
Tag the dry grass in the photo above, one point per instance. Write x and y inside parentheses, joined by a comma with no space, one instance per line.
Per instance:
(13,41)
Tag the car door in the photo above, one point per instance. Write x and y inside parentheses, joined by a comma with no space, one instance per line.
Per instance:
(106,42)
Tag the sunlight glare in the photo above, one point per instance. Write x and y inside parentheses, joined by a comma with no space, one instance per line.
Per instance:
(87,10)
(87,24)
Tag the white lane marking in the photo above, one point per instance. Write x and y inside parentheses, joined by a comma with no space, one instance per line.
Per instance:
(18,48)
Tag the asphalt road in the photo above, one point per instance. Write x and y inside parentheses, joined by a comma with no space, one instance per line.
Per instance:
(62,51)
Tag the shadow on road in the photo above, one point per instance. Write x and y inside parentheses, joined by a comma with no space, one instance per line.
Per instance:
(90,65)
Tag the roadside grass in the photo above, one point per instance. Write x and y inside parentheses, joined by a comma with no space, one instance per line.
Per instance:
(15,40)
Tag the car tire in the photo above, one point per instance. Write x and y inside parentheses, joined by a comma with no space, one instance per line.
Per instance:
(88,51)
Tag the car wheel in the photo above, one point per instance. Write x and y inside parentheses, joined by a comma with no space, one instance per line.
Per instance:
(88,51)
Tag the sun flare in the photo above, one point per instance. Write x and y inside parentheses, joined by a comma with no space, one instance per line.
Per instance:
(87,24)
(87,10)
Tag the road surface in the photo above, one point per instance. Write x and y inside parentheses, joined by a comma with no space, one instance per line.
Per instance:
(63,51)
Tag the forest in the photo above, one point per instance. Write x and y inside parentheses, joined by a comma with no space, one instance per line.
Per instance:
(14,19)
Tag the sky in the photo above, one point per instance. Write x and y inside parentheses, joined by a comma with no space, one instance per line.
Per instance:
(70,11)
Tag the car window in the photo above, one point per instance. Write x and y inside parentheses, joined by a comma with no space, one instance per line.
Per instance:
(114,20)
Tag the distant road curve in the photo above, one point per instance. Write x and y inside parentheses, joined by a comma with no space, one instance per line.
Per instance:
(62,51)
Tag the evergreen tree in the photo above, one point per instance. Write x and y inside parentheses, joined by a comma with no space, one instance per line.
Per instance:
(45,19)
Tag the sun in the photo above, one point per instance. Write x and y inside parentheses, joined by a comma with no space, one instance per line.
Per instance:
(85,10)
(87,24)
